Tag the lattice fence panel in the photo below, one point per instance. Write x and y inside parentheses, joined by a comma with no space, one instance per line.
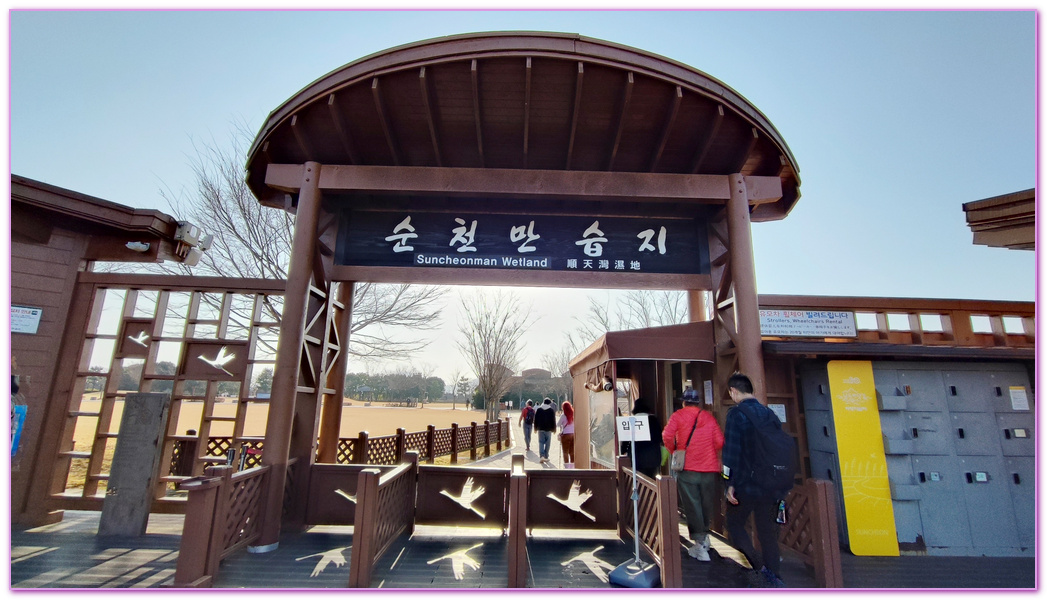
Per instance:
(443,442)
(253,450)
(243,521)
(417,441)
(382,450)
(219,446)
(345,451)
(394,509)
(796,534)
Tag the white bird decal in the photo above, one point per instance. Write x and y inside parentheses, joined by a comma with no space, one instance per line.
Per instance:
(220,359)
(140,339)
(597,566)
(333,555)
(576,498)
(346,495)
(459,560)
(468,496)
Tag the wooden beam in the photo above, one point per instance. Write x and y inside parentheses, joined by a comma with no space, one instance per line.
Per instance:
(379,106)
(300,138)
(667,128)
(703,148)
(564,279)
(527,110)
(525,183)
(574,115)
(475,76)
(623,109)
(428,103)
(747,152)
(343,131)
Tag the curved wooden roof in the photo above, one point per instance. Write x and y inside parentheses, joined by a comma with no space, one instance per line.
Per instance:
(525,100)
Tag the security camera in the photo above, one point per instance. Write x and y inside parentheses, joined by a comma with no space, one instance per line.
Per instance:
(607,385)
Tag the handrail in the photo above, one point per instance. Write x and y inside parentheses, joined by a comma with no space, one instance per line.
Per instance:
(658,520)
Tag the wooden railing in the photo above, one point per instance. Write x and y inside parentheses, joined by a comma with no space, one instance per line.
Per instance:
(962,323)
(385,509)
(658,518)
(223,515)
(812,530)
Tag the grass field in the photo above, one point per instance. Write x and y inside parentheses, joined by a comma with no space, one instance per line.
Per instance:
(375,420)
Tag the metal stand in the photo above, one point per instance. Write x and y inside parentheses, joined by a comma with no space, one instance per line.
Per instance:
(635,573)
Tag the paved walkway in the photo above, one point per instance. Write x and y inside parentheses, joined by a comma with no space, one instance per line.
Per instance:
(504,458)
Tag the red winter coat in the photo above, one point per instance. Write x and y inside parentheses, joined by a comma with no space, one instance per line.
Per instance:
(703,453)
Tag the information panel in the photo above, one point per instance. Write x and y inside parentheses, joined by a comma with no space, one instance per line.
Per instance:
(808,323)
(512,241)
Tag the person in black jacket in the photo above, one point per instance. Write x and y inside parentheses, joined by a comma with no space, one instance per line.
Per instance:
(545,424)
(648,452)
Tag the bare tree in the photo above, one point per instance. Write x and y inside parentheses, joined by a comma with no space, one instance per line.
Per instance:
(491,328)
(633,310)
(556,362)
(252,240)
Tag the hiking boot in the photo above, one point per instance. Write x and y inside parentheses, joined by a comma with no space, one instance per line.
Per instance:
(699,551)
(770,579)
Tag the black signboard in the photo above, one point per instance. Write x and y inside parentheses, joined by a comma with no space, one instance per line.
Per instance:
(503,241)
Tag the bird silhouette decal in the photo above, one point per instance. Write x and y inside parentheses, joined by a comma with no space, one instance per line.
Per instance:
(140,339)
(334,555)
(468,496)
(220,359)
(597,566)
(575,499)
(460,560)
(346,495)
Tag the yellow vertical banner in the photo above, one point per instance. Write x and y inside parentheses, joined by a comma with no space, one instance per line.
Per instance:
(863,465)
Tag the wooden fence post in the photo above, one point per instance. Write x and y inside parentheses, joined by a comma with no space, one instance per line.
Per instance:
(401,444)
(364,528)
(360,453)
(221,511)
(517,550)
(430,444)
(828,572)
(454,443)
(472,443)
(194,550)
(487,437)
(669,532)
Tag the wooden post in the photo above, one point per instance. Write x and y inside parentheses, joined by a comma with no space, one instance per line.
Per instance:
(487,437)
(289,353)
(828,571)
(360,451)
(401,444)
(499,435)
(472,442)
(430,443)
(454,443)
(364,528)
(221,511)
(517,550)
(669,533)
(194,548)
(743,269)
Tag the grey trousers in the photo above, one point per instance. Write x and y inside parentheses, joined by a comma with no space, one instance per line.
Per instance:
(696,492)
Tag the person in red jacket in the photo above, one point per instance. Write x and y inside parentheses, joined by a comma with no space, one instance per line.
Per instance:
(697,431)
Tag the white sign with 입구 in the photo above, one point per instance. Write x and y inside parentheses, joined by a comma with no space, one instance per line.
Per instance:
(808,323)
(25,319)
(637,426)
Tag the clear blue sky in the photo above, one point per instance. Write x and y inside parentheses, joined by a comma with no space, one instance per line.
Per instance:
(895,118)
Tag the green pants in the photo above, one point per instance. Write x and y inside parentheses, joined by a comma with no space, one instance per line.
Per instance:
(696,493)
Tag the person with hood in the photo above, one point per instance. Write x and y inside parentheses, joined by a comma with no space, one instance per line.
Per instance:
(545,424)
(697,431)
(745,495)
(648,452)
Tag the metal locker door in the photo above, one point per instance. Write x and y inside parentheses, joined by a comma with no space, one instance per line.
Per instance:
(988,499)
(821,434)
(814,388)
(968,391)
(1021,480)
(975,434)
(1016,432)
(929,432)
(942,507)
(1003,399)
(923,388)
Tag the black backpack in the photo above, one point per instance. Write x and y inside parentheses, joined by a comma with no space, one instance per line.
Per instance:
(775,461)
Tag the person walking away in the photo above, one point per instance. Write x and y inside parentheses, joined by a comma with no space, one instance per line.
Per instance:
(545,424)
(648,452)
(697,431)
(527,421)
(745,495)
(566,425)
